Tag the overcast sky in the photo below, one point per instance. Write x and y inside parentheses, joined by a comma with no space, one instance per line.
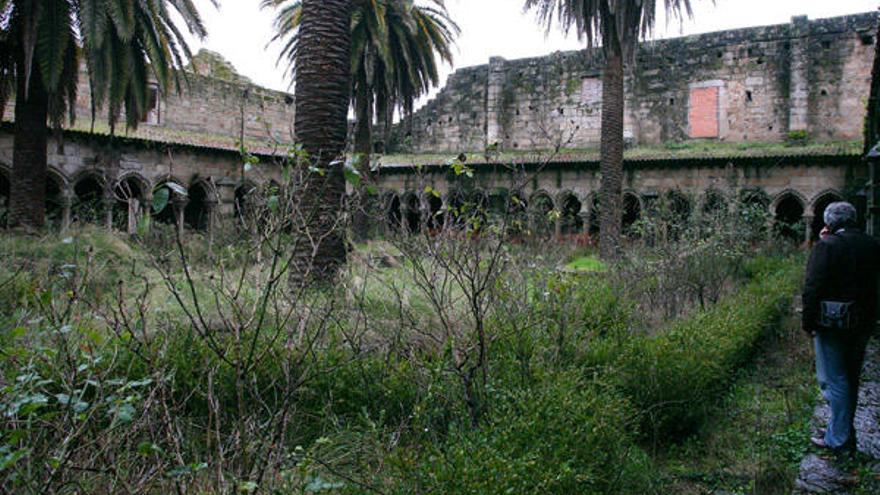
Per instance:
(240,31)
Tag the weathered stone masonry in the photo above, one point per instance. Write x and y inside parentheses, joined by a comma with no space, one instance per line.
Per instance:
(190,143)
(754,84)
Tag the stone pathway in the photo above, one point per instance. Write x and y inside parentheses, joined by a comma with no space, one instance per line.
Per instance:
(820,473)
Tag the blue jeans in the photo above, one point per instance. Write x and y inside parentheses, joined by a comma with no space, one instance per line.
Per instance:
(838,366)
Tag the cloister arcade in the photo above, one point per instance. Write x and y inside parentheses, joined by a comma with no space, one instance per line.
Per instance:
(90,197)
(544,213)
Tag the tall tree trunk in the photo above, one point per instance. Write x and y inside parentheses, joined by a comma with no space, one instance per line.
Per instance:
(611,161)
(27,199)
(323,79)
(363,147)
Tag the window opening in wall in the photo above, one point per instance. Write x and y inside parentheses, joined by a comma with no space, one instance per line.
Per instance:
(151,112)
(824,92)
(867,39)
(672,102)
(826,44)
(720,54)
(760,61)
(749,96)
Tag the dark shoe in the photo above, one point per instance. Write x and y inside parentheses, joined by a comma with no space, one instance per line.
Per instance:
(820,442)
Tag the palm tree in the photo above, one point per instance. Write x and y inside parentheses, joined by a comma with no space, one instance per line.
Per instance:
(323,86)
(123,43)
(395,49)
(617,25)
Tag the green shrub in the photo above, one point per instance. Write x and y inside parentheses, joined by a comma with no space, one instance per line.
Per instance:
(675,379)
(561,437)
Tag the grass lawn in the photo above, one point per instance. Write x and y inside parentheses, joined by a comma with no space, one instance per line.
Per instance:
(586,264)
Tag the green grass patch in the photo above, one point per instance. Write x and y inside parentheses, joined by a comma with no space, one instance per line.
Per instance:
(587,264)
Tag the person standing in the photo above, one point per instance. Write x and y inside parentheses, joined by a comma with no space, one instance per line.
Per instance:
(840,313)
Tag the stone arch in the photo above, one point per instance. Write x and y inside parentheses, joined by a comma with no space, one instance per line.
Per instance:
(90,196)
(632,210)
(788,214)
(540,205)
(817,206)
(393,212)
(714,203)
(754,197)
(243,201)
(58,194)
(175,190)
(785,195)
(453,204)
(129,200)
(753,208)
(198,210)
(477,208)
(435,214)
(412,214)
(569,213)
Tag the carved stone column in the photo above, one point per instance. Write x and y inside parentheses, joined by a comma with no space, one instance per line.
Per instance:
(109,203)
(585,221)
(808,229)
(180,203)
(66,207)
(211,207)
(134,207)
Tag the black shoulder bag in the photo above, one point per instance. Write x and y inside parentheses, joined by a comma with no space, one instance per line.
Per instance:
(838,315)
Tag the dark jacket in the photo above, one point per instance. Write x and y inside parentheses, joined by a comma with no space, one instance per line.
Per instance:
(843,267)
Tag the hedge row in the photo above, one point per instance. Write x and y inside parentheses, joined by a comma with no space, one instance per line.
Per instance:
(567,433)
(677,377)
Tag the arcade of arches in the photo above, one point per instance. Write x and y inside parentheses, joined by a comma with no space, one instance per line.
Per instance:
(90,198)
(117,187)
(793,216)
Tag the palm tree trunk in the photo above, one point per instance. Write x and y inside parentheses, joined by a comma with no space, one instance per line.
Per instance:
(363,144)
(611,160)
(27,199)
(323,81)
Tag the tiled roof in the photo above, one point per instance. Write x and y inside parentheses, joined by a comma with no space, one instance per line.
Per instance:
(147,134)
(691,151)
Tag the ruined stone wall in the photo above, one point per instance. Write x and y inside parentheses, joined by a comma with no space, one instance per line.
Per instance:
(754,84)
(205,106)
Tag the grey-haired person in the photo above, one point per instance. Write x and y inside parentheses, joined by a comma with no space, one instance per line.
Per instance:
(840,313)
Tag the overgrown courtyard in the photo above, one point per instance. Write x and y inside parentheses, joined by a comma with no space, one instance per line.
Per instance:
(475,360)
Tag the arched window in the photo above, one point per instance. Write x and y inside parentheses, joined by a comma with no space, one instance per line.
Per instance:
(88,200)
(570,210)
(197,213)
(788,218)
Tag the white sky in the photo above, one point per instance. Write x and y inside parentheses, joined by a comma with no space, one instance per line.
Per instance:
(240,31)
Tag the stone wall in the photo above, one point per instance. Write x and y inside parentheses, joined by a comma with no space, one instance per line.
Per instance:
(754,84)
(205,106)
